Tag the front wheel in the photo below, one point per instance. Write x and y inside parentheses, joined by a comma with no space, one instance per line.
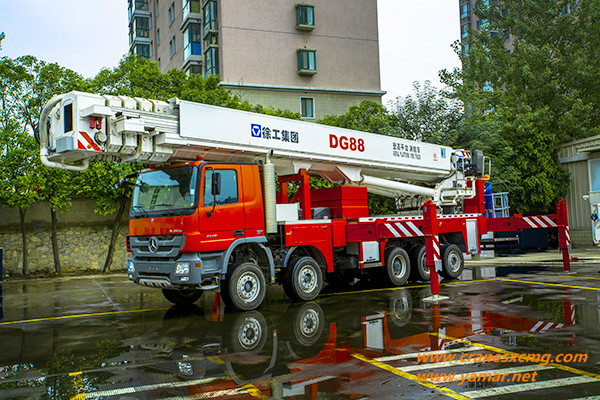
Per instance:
(452,262)
(245,287)
(182,297)
(302,279)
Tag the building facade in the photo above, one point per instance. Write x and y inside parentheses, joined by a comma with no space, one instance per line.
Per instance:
(316,59)
(582,159)
(470,22)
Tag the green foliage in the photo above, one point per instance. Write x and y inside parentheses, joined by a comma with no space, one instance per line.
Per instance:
(19,168)
(368,116)
(138,77)
(429,116)
(526,102)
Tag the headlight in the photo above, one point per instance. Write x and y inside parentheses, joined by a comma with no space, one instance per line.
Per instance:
(130,266)
(182,268)
(185,368)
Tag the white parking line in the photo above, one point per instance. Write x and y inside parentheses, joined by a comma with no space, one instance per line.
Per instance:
(145,388)
(424,353)
(524,387)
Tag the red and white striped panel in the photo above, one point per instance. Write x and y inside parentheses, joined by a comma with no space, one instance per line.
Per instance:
(542,326)
(404,229)
(567,236)
(436,248)
(540,221)
(85,142)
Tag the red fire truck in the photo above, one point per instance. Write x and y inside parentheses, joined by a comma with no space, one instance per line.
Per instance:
(215,209)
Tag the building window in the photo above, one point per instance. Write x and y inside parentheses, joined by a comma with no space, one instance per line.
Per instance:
(465,10)
(143,50)
(157,36)
(305,17)
(141,5)
(191,6)
(157,8)
(307,107)
(466,48)
(307,62)
(171,13)
(464,30)
(172,47)
(192,40)
(195,69)
(210,17)
(142,27)
(212,61)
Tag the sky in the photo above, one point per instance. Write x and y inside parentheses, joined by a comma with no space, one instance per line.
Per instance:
(415,37)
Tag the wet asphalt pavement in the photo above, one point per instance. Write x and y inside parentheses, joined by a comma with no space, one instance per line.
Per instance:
(104,337)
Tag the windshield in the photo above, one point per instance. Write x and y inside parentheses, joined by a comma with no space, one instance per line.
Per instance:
(166,189)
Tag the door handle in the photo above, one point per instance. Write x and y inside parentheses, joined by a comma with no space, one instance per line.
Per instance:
(238,233)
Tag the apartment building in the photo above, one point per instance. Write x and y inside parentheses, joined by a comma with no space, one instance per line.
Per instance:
(468,20)
(316,59)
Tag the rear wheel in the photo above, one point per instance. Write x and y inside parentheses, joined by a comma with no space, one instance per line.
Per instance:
(420,270)
(452,262)
(397,265)
(302,279)
(182,297)
(245,287)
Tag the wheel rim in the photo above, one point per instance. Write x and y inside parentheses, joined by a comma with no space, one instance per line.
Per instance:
(248,287)
(454,262)
(307,278)
(423,264)
(399,267)
(249,333)
(309,323)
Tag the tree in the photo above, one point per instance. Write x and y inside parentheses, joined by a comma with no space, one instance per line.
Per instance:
(428,115)
(544,92)
(19,172)
(138,77)
(368,116)
(26,85)
(100,182)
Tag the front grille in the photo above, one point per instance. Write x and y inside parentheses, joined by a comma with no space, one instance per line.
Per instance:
(167,246)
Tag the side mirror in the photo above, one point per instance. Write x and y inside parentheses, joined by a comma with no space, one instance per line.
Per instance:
(216,184)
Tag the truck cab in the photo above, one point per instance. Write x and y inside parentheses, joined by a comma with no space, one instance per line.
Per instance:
(186,220)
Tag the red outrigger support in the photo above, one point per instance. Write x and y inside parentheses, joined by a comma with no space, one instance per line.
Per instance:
(433,225)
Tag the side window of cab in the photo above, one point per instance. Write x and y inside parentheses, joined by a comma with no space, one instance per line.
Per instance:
(220,187)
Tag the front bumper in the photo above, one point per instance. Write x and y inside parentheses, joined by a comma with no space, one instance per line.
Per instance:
(203,271)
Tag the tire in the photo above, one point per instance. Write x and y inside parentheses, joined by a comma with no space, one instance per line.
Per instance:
(397,265)
(245,287)
(182,297)
(453,262)
(249,332)
(309,324)
(400,312)
(302,279)
(419,270)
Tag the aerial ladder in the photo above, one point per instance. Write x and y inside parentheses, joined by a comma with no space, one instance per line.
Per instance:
(215,208)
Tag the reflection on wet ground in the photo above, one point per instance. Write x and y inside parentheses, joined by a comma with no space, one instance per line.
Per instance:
(104,338)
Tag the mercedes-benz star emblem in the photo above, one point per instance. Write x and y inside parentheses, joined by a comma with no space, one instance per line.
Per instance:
(153,244)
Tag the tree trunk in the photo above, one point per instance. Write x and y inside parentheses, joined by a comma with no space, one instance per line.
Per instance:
(24,236)
(115,233)
(55,243)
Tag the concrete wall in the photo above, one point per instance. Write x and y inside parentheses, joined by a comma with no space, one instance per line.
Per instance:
(325,103)
(83,239)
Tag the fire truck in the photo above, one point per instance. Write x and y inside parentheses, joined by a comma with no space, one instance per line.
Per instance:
(227,203)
